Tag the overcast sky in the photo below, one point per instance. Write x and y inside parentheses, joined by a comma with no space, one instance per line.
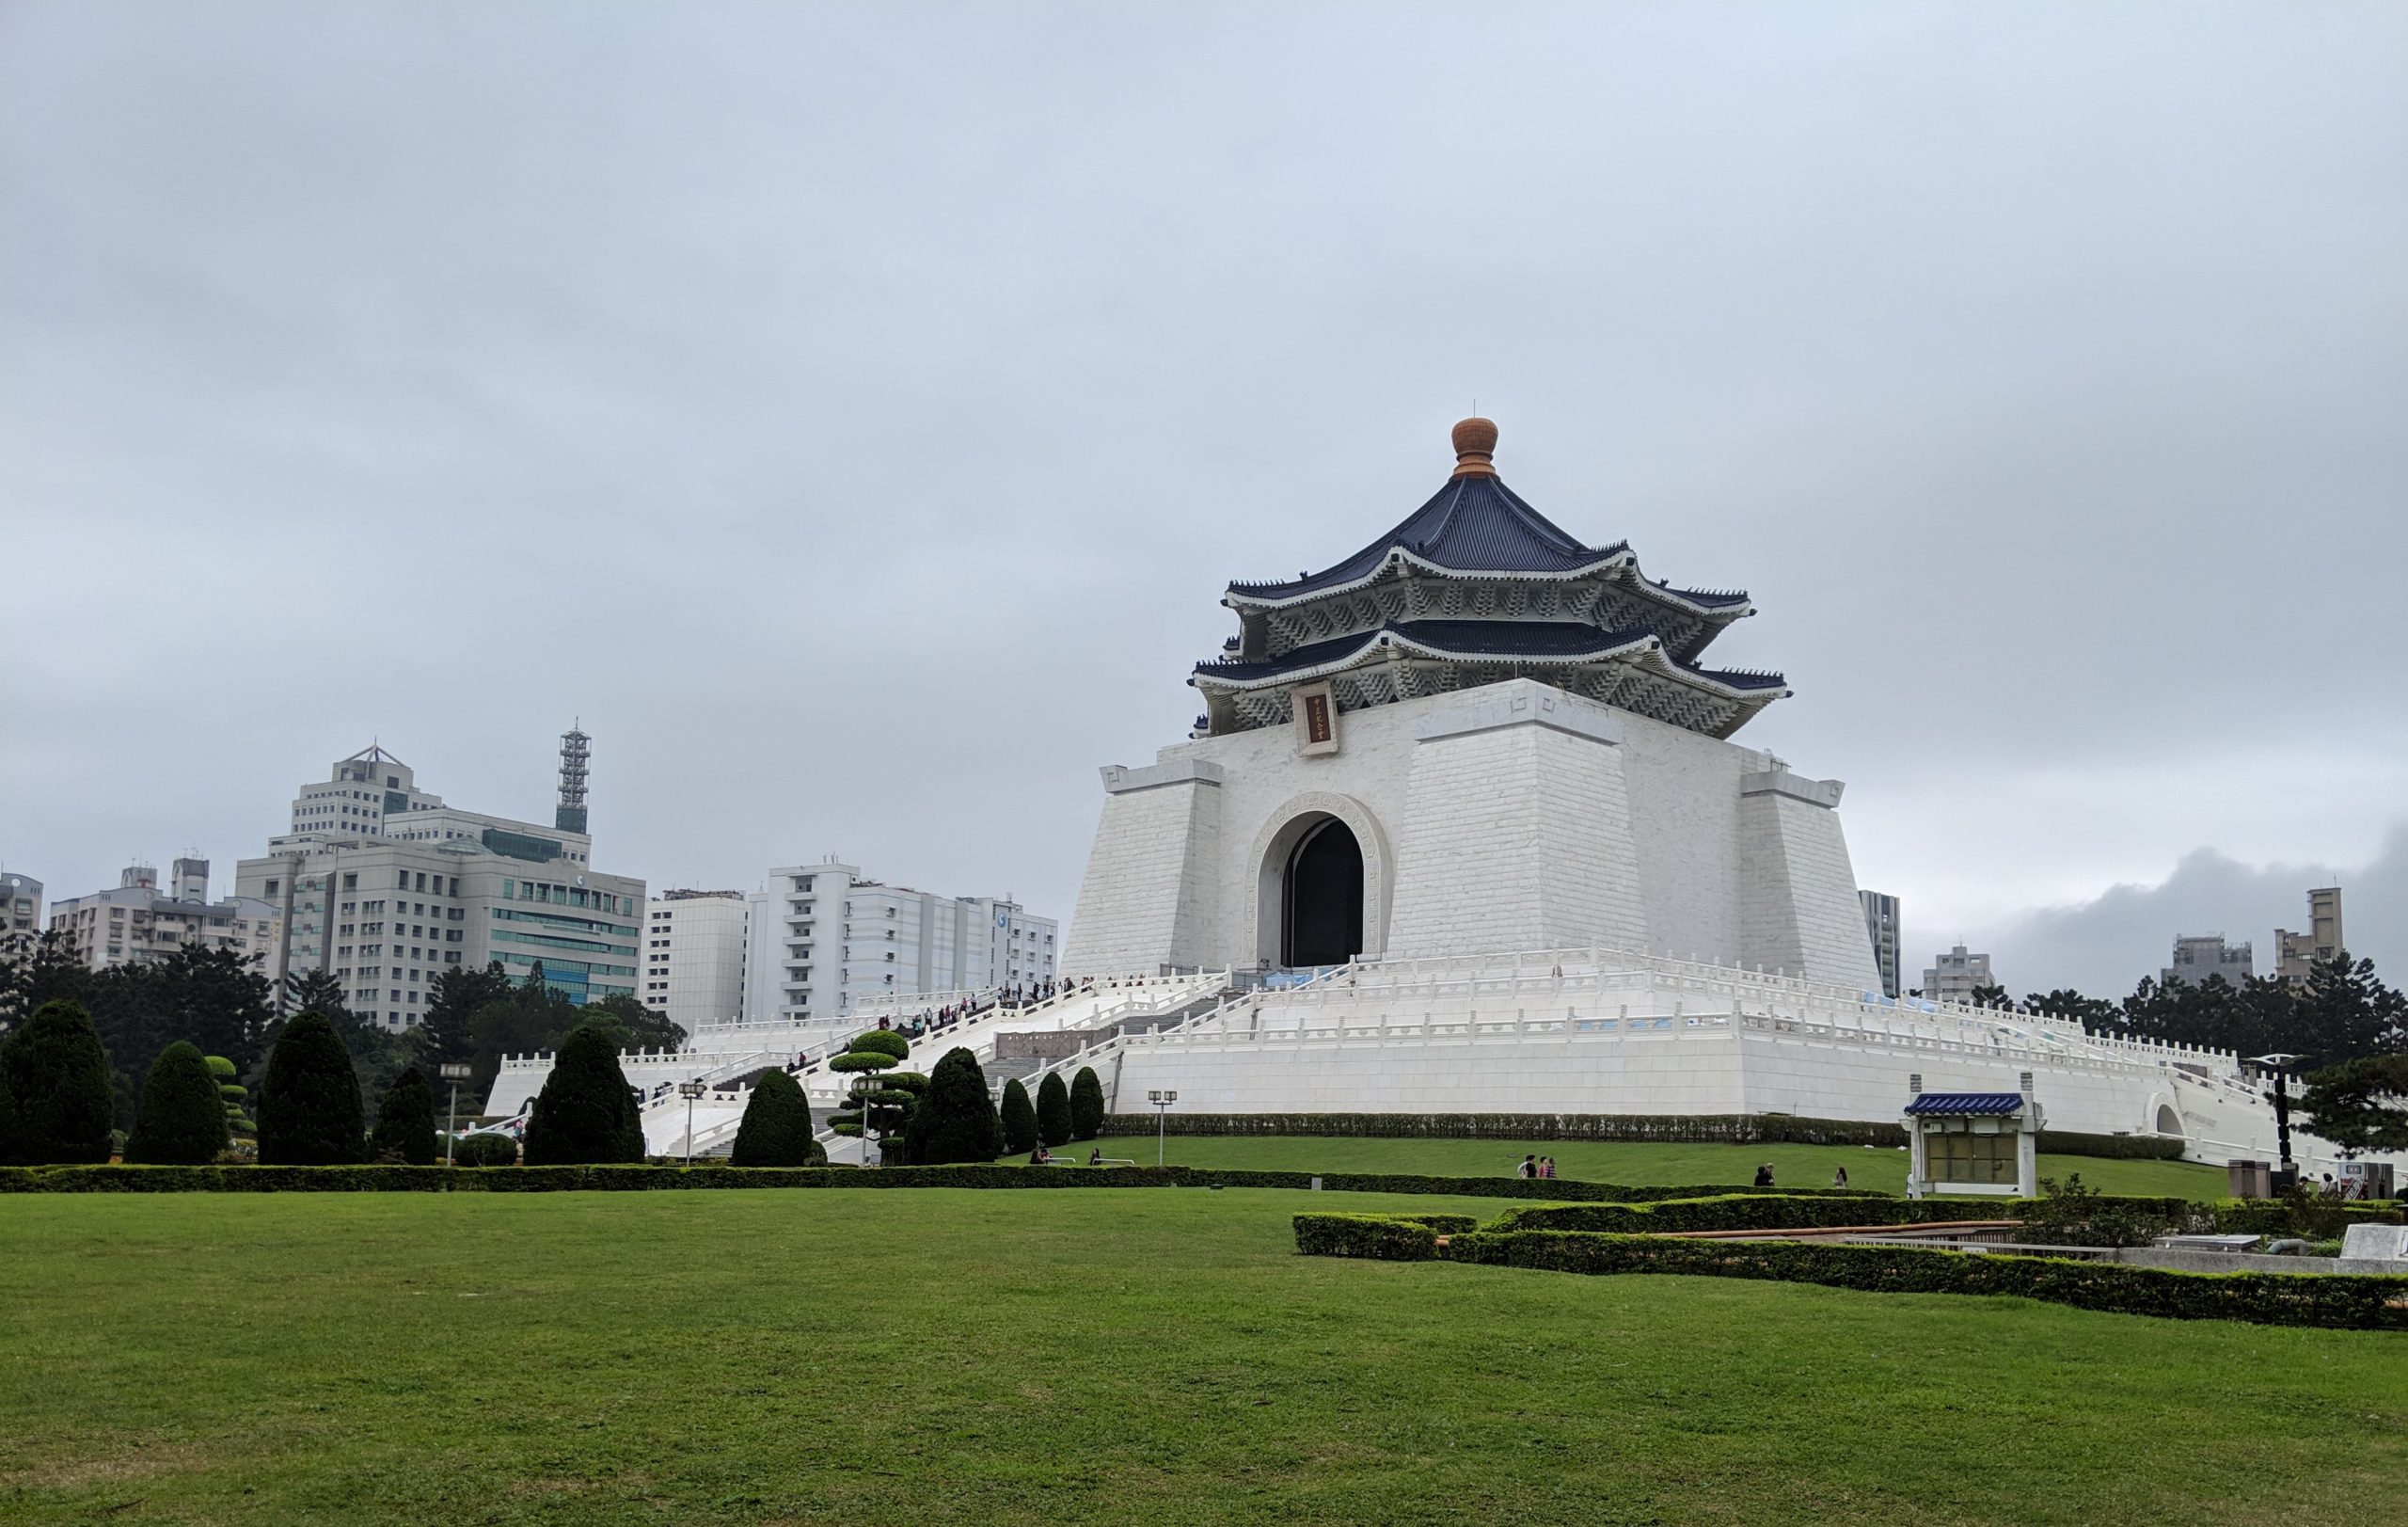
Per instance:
(853,413)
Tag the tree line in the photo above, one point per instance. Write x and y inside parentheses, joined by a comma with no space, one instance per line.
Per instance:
(224,1005)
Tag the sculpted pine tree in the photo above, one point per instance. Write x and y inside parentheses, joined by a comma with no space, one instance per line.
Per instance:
(1018,1118)
(776,1131)
(585,1114)
(181,1118)
(1054,1111)
(60,1075)
(1086,1104)
(955,1121)
(406,1121)
(309,1113)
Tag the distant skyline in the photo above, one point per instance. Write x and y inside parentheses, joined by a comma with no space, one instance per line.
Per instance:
(853,414)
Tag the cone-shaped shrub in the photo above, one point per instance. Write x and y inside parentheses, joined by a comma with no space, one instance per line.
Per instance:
(309,1112)
(406,1121)
(1086,1104)
(776,1131)
(180,1121)
(585,1113)
(955,1120)
(54,1066)
(1018,1118)
(1053,1110)
(7,1121)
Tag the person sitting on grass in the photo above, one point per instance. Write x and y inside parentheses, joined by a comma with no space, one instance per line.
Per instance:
(1764,1175)
(1529,1166)
(1095,1157)
(1838,1178)
(1041,1158)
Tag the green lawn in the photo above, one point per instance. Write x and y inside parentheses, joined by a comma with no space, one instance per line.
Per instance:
(1116,1356)
(1794,1166)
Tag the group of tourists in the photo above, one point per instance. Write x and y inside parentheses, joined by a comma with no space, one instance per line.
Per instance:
(1535,1166)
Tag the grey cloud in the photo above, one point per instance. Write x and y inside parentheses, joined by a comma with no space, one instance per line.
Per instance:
(853,412)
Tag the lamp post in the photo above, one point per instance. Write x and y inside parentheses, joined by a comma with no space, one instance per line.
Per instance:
(1161,1101)
(455,1072)
(2276,1063)
(689,1091)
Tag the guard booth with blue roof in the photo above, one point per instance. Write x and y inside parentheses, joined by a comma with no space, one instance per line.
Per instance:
(1974,1143)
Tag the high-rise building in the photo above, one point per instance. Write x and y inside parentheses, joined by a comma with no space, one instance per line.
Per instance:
(1955,977)
(693,957)
(19,911)
(386,886)
(2295,952)
(2198,956)
(823,937)
(135,923)
(1882,927)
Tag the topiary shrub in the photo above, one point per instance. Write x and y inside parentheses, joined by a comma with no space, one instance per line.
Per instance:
(59,1074)
(776,1130)
(1053,1111)
(875,1112)
(955,1119)
(406,1121)
(309,1112)
(180,1121)
(1018,1118)
(585,1112)
(883,1041)
(1086,1104)
(235,1096)
(484,1150)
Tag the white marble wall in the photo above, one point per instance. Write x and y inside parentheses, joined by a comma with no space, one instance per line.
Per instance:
(1510,816)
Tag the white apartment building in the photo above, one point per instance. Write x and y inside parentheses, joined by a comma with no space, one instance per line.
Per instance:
(695,944)
(20,910)
(134,923)
(385,886)
(1955,977)
(823,937)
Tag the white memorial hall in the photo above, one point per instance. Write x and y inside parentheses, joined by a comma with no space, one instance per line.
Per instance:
(1464,827)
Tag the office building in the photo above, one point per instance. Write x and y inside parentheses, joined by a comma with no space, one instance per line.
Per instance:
(386,886)
(2198,956)
(693,957)
(2295,952)
(1881,929)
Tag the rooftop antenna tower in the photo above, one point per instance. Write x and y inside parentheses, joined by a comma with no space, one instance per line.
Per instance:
(575,748)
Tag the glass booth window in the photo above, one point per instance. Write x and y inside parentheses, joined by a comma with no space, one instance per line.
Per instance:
(1970,1158)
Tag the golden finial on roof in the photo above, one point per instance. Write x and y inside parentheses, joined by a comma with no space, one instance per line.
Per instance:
(1475,447)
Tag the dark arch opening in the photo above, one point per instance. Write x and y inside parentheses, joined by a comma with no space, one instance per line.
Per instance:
(2168,1121)
(1321,921)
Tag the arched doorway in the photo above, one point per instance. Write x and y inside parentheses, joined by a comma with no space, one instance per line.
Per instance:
(2168,1121)
(1321,920)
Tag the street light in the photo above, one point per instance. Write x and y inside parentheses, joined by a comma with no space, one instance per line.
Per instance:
(1161,1101)
(689,1091)
(2282,1104)
(455,1072)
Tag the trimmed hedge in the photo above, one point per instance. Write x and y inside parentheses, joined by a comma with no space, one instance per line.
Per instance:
(2275,1217)
(1728,1129)
(2262,1298)
(1742,1211)
(630,1176)
(1375,1236)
